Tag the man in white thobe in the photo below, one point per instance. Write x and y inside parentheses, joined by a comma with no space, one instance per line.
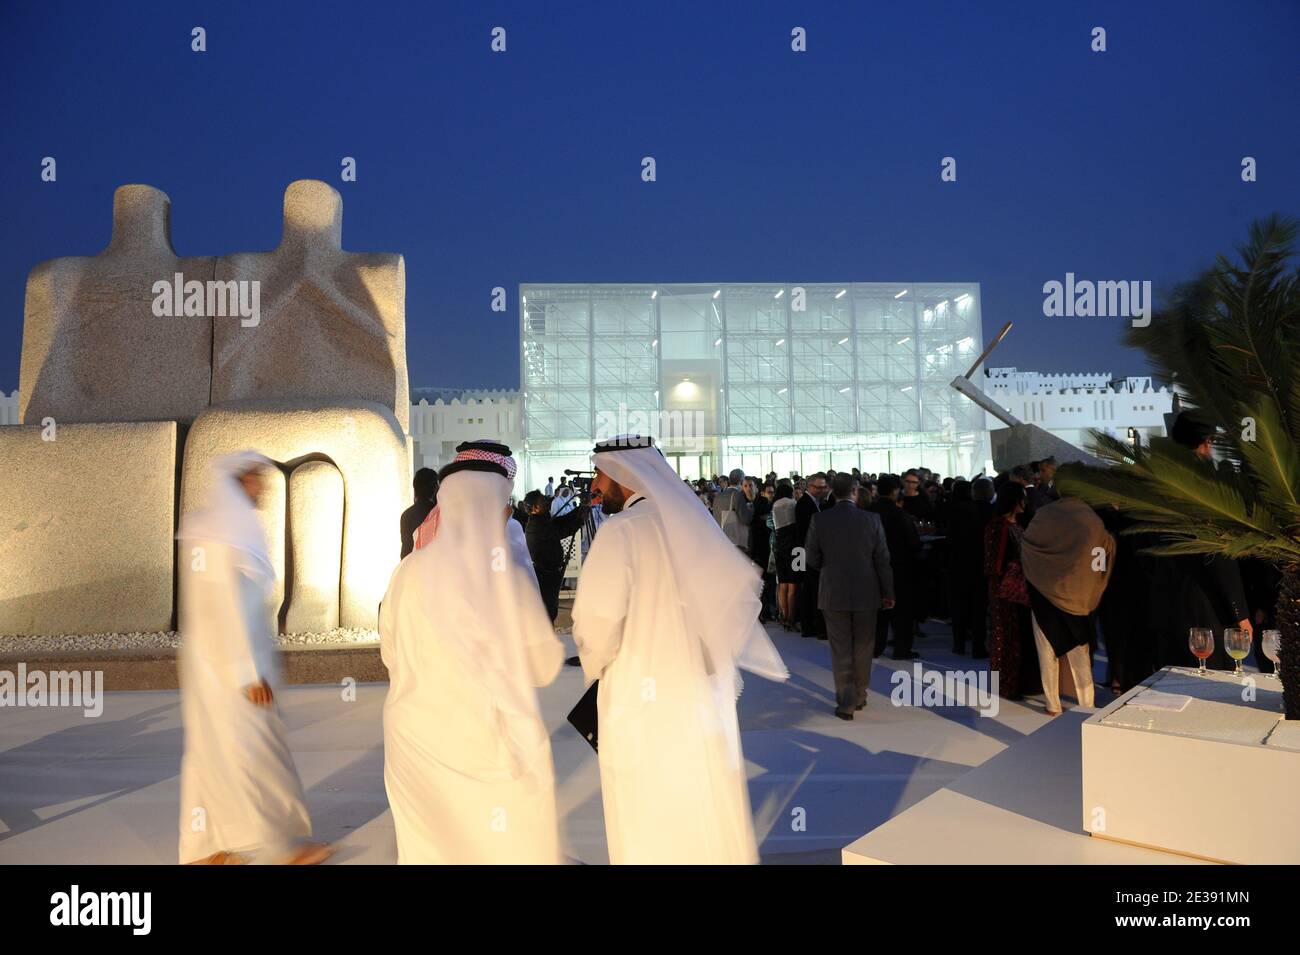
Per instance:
(241,799)
(466,639)
(667,609)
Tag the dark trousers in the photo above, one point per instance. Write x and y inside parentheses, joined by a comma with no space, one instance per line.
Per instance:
(549,583)
(969,600)
(768,597)
(902,620)
(852,636)
(811,622)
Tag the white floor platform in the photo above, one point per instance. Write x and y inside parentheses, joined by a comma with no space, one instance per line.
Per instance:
(1023,806)
(105,790)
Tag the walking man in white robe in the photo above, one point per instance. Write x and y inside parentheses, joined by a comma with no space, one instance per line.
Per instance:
(667,609)
(241,798)
(466,639)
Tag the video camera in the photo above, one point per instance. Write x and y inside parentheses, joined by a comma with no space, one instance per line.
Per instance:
(580,481)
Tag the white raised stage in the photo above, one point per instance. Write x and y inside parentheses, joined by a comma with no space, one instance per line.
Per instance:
(1022,807)
(1203,766)
(1179,770)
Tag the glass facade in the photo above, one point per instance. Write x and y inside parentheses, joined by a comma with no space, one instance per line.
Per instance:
(785,378)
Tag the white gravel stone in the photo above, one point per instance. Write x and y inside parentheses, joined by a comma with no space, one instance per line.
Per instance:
(166,640)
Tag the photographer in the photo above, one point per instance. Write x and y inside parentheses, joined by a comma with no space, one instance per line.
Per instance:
(546,533)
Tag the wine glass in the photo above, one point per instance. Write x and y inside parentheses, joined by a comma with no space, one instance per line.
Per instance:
(1237,643)
(1201,641)
(1271,644)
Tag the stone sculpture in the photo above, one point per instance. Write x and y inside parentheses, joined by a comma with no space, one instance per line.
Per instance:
(332,323)
(93,350)
(315,379)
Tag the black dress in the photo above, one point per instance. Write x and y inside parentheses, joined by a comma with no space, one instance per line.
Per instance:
(786,539)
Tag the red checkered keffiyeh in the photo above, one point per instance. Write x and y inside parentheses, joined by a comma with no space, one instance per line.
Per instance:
(429,529)
(475,454)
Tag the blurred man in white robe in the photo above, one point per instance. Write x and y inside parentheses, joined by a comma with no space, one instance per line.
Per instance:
(241,799)
(666,612)
(466,639)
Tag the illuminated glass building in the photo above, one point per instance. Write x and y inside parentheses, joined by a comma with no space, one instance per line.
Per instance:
(783,378)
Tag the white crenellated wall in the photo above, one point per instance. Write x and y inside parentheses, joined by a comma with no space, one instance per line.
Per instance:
(437,427)
(1070,406)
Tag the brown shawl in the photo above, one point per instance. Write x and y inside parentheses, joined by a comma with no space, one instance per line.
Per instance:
(1059,553)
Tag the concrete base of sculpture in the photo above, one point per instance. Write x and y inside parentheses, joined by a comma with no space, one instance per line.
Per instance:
(1023,443)
(86,524)
(363,441)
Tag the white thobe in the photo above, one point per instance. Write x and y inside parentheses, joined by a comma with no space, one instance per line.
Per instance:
(672,775)
(459,793)
(240,790)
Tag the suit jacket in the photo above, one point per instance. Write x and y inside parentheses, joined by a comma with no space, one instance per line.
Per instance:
(412,518)
(804,511)
(848,545)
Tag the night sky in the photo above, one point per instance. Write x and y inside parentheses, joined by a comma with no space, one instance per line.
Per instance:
(489,169)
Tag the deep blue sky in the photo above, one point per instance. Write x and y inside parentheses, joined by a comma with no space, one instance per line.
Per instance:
(493,169)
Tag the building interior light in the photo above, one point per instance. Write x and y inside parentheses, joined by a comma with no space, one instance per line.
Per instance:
(717,293)
(654,294)
(781,391)
(942,305)
(779,294)
(655,343)
(908,388)
(901,294)
(841,293)
(780,342)
(717,342)
(904,340)
(844,389)
(963,298)
(842,340)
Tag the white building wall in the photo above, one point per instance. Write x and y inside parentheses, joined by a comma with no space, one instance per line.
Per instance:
(437,427)
(1071,405)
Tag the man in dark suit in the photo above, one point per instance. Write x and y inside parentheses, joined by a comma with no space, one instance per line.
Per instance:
(809,506)
(847,545)
(904,542)
(968,513)
(546,534)
(426,499)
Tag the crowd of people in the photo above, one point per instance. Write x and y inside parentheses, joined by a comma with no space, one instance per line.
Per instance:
(677,581)
(1023,577)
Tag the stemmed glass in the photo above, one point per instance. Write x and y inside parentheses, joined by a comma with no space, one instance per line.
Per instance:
(1271,644)
(1237,643)
(1201,641)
